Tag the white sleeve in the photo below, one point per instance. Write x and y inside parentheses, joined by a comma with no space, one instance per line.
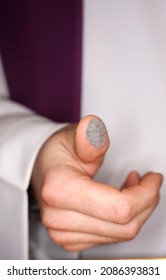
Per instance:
(22,133)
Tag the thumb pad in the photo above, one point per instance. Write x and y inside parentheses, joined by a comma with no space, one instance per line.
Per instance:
(91,140)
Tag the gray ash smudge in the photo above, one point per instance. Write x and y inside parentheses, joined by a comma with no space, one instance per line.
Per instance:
(96,133)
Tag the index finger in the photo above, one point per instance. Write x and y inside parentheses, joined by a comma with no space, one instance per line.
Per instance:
(144,194)
(102,201)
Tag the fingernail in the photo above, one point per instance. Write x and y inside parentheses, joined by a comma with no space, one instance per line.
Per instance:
(96,133)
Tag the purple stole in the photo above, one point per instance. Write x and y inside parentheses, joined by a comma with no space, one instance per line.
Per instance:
(40,44)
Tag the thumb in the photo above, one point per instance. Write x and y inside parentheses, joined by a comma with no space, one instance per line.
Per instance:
(91,142)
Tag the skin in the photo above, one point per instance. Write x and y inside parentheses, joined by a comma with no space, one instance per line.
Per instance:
(79,212)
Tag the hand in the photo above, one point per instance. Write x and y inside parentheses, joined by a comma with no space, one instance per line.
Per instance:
(77,211)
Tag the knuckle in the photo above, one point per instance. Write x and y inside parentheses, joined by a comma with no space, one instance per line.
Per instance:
(152,183)
(131,230)
(57,237)
(123,212)
(54,185)
(50,193)
(44,193)
(52,219)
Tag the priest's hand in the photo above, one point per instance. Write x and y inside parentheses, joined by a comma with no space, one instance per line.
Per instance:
(77,211)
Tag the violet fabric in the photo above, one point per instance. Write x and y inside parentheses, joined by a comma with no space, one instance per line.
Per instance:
(40,43)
